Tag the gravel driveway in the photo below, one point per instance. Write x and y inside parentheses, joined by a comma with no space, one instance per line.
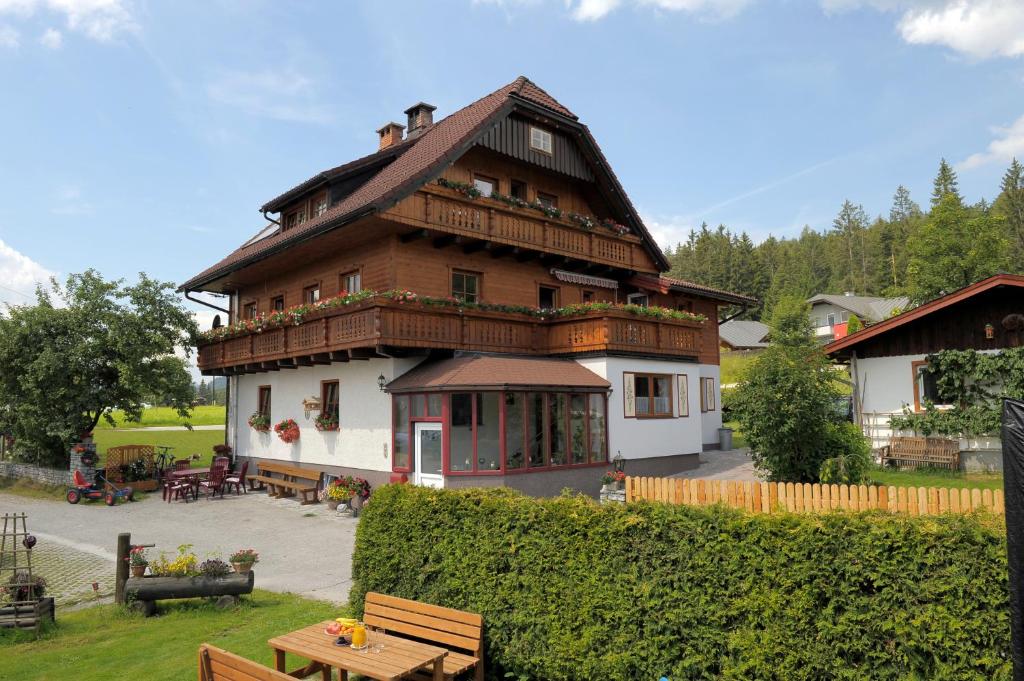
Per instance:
(303,549)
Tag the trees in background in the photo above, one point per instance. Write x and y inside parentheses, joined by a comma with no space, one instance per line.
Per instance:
(915,252)
(84,349)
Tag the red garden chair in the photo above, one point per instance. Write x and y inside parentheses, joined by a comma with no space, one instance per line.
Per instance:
(214,482)
(237,480)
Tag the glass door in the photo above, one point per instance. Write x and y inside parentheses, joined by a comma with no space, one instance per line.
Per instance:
(428,455)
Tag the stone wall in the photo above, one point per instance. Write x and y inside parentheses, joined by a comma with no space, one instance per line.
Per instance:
(27,471)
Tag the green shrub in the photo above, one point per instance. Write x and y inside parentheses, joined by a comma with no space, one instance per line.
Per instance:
(572,590)
(852,462)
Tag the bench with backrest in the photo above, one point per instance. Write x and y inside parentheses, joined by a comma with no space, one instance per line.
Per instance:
(220,665)
(283,479)
(462,633)
(911,452)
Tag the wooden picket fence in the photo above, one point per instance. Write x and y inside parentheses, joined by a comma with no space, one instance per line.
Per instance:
(773,497)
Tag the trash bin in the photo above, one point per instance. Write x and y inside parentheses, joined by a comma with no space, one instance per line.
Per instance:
(725,438)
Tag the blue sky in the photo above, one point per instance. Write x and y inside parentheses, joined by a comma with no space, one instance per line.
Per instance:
(145,135)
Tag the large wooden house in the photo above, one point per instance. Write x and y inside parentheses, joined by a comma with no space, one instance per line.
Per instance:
(475,303)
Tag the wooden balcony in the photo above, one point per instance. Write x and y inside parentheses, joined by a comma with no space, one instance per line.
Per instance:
(484,219)
(382,325)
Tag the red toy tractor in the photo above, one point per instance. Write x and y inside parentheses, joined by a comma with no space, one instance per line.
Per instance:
(97,490)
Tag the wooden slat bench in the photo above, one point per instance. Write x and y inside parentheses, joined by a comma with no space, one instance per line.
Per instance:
(291,480)
(911,452)
(446,627)
(220,665)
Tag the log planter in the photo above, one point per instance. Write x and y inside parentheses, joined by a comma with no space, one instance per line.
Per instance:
(27,615)
(144,592)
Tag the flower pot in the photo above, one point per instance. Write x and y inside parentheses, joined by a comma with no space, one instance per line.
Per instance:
(242,568)
(356,502)
(333,504)
(608,487)
(138,570)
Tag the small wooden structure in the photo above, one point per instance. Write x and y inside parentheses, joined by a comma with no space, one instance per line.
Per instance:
(291,480)
(911,452)
(220,665)
(144,592)
(434,624)
(24,610)
(126,455)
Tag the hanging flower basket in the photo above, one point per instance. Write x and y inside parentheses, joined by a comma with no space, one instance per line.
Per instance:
(287,430)
(259,422)
(325,423)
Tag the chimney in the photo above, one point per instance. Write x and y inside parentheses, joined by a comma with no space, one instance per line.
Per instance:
(421,117)
(390,134)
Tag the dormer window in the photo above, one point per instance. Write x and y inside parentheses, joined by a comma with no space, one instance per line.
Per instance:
(540,140)
(318,206)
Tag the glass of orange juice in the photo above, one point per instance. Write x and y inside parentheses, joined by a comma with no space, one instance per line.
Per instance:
(359,636)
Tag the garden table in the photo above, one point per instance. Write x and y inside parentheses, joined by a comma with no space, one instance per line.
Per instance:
(174,476)
(399,658)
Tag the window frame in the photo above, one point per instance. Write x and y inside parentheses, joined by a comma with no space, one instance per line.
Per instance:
(324,385)
(547,199)
(513,183)
(651,414)
(275,300)
(250,310)
(556,295)
(315,203)
(550,136)
(708,403)
(307,290)
(357,273)
(830,319)
(478,296)
(919,397)
(631,298)
(260,392)
(493,181)
(587,296)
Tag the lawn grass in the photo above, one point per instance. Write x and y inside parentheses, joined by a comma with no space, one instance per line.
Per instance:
(935,478)
(184,442)
(206,415)
(105,642)
(30,489)
(732,364)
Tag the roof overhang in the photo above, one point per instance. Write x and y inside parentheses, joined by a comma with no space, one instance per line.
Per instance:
(844,345)
(498,372)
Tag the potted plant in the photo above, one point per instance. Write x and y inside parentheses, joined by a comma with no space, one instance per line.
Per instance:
(326,422)
(214,567)
(612,480)
(243,560)
(259,422)
(334,493)
(359,492)
(137,561)
(287,430)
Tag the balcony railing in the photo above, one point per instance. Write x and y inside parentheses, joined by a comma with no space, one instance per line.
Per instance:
(379,323)
(486,219)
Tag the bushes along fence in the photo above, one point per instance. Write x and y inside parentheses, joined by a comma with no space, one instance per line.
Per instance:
(572,590)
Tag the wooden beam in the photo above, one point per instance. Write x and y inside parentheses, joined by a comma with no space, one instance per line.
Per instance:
(340,356)
(503,250)
(286,364)
(475,246)
(414,235)
(549,259)
(446,240)
(525,255)
(304,361)
(362,353)
(322,358)
(269,366)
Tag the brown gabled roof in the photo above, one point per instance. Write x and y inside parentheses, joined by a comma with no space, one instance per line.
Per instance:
(666,284)
(497,372)
(426,155)
(887,325)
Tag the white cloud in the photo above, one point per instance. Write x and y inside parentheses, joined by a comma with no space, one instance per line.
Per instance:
(51,38)
(9,37)
(980,29)
(68,200)
(285,95)
(593,10)
(101,20)
(1008,144)
(19,275)
(669,230)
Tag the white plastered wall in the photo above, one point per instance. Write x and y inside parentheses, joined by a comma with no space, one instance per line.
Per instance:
(364,437)
(639,438)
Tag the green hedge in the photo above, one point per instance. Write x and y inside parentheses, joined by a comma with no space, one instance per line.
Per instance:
(572,590)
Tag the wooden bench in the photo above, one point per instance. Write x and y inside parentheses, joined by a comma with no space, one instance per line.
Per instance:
(293,480)
(220,665)
(435,625)
(911,452)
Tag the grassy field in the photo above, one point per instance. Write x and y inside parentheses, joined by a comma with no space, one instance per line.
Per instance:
(184,442)
(105,642)
(935,478)
(165,416)
(733,363)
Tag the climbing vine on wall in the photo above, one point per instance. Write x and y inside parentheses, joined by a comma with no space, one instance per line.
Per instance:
(974,383)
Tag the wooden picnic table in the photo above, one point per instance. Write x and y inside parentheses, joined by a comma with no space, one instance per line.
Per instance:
(400,657)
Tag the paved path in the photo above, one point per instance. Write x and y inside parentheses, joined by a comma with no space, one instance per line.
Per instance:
(733,464)
(303,549)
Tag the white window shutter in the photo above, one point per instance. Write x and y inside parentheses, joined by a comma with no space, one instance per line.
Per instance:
(628,395)
(684,395)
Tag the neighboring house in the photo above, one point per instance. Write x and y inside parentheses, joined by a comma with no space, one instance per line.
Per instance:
(887,360)
(830,313)
(421,269)
(738,334)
